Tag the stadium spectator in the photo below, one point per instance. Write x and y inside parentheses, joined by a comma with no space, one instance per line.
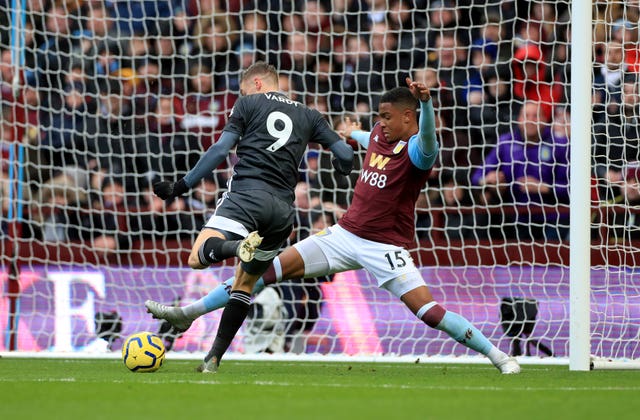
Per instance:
(107,59)
(532,81)
(139,16)
(560,67)
(255,31)
(487,48)
(285,83)
(6,76)
(213,47)
(65,137)
(119,145)
(305,199)
(319,84)
(153,218)
(104,219)
(297,57)
(443,17)
(148,89)
(491,38)
(410,26)
(605,13)
(172,63)
(492,110)
(97,23)
(451,65)
(528,171)
(380,221)
(58,214)
(348,54)
(626,33)
(607,80)
(317,24)
(172,149)
(617,142)
(205,110)
(384,68)
(261,195)
(52,57)
(376,11)
(136,49)
(347,18)
(482,60)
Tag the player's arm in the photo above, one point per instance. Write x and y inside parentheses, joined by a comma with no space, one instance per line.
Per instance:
(342,160)
(208,162)
(423,147)
(342,157)
(353,130)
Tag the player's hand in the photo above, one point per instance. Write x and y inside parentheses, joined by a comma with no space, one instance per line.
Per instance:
(419,90)
(168,190)
(349,127)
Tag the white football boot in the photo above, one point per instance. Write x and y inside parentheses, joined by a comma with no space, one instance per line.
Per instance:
(172,314)
(247,248)
(508,366)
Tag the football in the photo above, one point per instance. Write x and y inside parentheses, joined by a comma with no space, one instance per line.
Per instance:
(143,352)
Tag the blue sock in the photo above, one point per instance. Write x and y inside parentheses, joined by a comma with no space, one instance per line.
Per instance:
(216,299)
(461,330)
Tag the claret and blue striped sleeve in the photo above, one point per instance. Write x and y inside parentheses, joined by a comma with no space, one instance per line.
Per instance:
(423,147)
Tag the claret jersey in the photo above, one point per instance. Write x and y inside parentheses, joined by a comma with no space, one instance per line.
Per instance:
(274,134)
(385,195)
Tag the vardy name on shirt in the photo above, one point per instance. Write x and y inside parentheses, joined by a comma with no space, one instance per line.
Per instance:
(281,99)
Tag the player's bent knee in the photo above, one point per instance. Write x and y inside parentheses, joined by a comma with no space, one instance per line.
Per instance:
(195,263)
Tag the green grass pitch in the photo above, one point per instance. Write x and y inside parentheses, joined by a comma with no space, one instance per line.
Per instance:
(105,389)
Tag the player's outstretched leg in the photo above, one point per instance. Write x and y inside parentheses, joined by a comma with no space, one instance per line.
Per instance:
(181,317)
(173,314)
(461,330)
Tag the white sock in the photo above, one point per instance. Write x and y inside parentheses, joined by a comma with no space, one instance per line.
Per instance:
(496,355)
(194,310)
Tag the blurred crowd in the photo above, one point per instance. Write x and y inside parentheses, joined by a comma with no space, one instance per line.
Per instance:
(110,96)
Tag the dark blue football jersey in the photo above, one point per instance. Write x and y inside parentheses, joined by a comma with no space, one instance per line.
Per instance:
(274,134)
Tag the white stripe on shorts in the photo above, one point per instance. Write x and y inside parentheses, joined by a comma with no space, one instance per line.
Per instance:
(224,223)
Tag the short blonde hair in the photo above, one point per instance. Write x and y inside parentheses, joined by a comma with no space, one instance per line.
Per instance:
(260,68)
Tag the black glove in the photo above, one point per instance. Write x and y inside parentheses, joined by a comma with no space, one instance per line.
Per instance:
(343,169)
(168,190)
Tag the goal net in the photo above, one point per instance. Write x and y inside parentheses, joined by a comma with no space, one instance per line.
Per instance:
(101,99)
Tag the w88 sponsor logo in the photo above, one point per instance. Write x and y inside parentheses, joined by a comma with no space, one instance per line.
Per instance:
(373,178)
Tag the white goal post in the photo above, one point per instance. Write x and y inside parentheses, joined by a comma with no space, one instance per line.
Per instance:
(580,254)
(100,99)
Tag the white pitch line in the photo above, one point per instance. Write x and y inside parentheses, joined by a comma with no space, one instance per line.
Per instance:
(337,385)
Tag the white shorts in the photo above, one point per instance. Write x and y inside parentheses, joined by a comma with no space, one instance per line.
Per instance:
(345,251)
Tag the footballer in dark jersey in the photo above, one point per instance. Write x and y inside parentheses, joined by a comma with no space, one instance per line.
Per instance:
(255,216)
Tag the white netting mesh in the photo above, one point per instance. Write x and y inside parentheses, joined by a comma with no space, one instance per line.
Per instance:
(109,96)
